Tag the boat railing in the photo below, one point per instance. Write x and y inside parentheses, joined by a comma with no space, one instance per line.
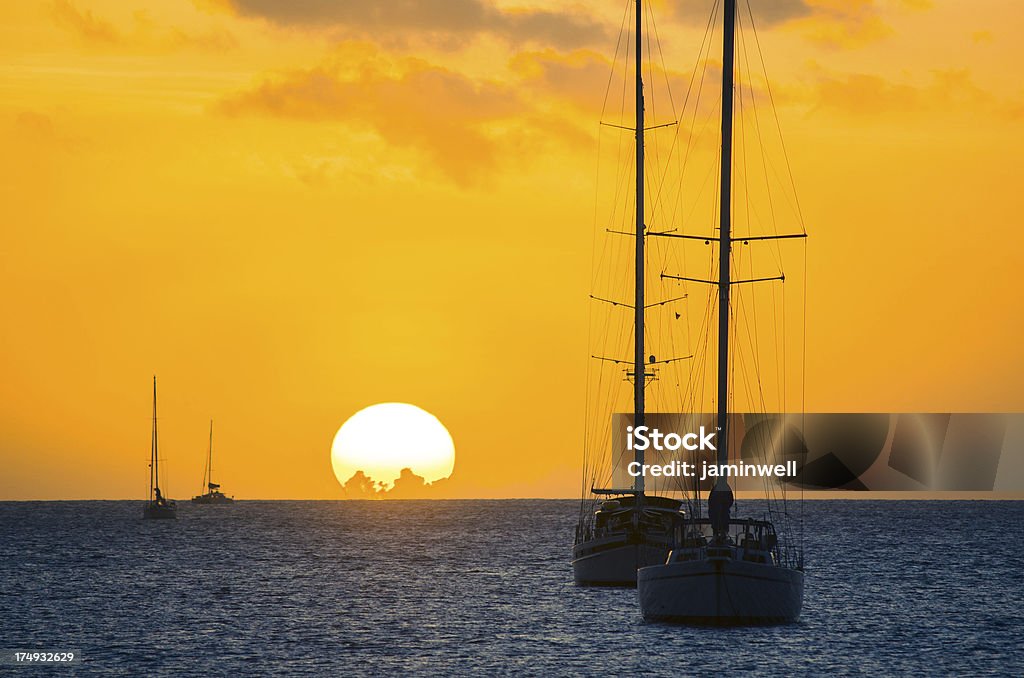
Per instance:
(749,538)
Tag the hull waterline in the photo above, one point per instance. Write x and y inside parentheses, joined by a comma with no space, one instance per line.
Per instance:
(159,512)
(614,565)
(729,592)
(213,500)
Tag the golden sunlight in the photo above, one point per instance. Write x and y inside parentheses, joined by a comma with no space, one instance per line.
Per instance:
(383,439)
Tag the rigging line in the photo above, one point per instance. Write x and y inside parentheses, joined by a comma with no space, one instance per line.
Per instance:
(775,110)
(779,378)
(622,105)
(686,316)
(625,335)
(803,403)
(740,364)
(713,298)
(618,43)
(625,70)
(739,254)
(709,176)
(697,383)
(761,143)
(600,389)
(705,324)
(651,89)
(617,193)
(700,89)
(620,195)
(756,338)
(659,183)
(593,264)
(607,386)
(705,40)
(769,490)
(621,186)
(594,427)
(664,69)
(698,393)
(785,349)
(771,496)
(752,333)
(804,282)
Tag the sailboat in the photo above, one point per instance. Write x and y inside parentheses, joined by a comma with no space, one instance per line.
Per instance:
(630,528)
(157,505)
(212,495)
(725,570)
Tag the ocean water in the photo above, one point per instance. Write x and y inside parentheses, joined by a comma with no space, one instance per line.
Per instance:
(485,587)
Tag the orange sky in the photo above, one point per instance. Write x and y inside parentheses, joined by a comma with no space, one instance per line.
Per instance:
(290,211)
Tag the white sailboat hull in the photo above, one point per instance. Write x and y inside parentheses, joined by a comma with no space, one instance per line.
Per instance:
(721,592)
(213,499)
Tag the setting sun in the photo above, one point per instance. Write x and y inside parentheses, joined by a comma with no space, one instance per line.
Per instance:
(382,440)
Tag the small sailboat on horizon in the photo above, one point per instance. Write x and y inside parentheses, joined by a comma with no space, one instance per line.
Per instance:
(157,505)
(212,495)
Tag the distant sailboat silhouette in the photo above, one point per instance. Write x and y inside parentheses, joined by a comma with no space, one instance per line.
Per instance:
(213,495)
(157,505)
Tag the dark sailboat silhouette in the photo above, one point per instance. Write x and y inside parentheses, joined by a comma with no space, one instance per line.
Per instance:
(157,505)
(631,528)
(212,495)
(725,570)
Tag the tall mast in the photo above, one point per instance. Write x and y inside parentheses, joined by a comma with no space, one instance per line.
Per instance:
(209,460)
(154,472)
(639,376)
(725,232)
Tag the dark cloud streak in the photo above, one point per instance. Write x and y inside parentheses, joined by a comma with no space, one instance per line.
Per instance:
(460,17)
(765,13)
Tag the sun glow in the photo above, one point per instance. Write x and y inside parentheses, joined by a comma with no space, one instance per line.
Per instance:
(383,439)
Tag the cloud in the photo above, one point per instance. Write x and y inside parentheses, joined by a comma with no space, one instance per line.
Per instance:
(582,76)
(834,23)
(85,23)
(579,76)
(461,18)
(459,123)
(464,126)
(863,94)
(843,23)
(406,101)
(765,13)
(145,34)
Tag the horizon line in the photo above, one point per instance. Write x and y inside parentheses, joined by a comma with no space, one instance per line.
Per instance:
(816,495)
